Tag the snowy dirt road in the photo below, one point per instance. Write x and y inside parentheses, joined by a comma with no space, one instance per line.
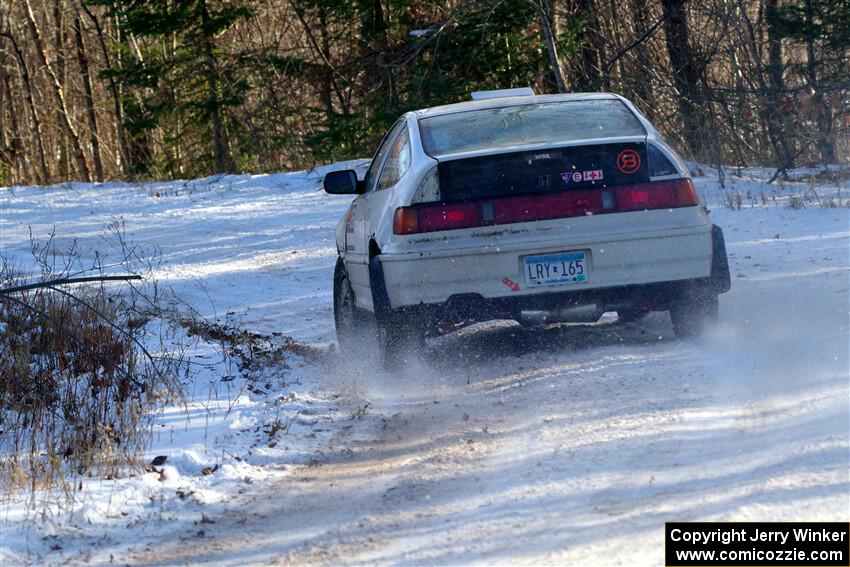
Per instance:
(561,445)
(564,446)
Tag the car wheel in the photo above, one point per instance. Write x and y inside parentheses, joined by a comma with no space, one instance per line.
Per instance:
(353,328)
(693,311)
(393,337)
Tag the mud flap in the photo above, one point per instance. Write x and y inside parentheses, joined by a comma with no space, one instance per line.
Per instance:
(380,296)
(399,332)
(721,282)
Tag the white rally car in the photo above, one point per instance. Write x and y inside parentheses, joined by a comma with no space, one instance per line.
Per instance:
(513,206)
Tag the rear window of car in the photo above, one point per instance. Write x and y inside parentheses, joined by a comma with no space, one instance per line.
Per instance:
(519,125)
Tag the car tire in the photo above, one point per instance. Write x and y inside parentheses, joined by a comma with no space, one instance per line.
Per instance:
(693,311)
(355,327)
(361,334)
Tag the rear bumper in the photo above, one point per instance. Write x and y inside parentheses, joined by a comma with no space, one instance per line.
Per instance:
(472,306)
(437,277)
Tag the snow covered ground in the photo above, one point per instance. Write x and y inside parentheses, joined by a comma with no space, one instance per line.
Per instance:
(568,444)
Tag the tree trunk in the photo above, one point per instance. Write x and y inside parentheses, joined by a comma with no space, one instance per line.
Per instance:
(42,173)
(774,48)
(642,88)
(324,55)
(82,59)
(376,43)
(593,51)
(772,124)
(775,67)
(115,92)
(8,134)
(5,147)
(326,92)
(222,160)
(549,24)
(13,149)
(58,96)
(825,141)
(58,49)
(685,73)
(59,39)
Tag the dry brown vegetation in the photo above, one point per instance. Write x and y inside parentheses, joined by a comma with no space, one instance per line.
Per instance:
(78,382)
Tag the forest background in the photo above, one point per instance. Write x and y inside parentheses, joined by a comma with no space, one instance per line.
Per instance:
(167,89)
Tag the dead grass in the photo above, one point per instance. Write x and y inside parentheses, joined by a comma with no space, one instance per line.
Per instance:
(78,385)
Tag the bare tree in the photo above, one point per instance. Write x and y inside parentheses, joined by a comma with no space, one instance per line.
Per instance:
(114,91)
(548,23)
(643,90)
(83,61)
(822,111)
(41,171)
(58,94)
(685,71)
(81,96)
(222,155)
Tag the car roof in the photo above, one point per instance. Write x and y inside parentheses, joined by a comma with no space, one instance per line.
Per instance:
(509,101)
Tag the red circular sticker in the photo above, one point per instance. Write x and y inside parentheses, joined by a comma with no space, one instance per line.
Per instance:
(628,161)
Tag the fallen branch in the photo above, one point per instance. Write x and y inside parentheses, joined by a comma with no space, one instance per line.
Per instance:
(64,281)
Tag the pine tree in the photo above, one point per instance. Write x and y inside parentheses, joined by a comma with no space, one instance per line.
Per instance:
(178,79)
(390,71)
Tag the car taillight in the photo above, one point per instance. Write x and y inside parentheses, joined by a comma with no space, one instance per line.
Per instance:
(432,217)
(686,195)
(406,220)
(542,207)
(657,195)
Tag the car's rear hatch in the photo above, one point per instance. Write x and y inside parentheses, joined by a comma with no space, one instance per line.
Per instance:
(543,171)
(539,184)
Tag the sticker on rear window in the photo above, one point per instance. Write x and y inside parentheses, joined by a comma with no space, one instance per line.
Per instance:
(628,161)
(579,176)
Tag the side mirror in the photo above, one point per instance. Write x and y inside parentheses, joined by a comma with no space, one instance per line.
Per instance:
(342,183)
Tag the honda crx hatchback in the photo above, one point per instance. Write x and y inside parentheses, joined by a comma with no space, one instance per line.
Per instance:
(552,208)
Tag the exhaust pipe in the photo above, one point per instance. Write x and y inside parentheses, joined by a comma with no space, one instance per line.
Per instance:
(576,314)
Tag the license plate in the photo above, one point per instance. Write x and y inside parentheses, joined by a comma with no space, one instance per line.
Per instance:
(555,269)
